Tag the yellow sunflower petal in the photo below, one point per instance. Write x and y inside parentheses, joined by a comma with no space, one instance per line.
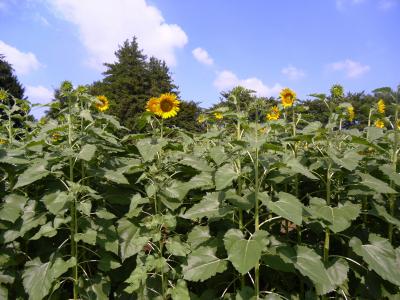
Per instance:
(287,97)
(218,116)
(379,123)
(381,106)
(104,103)
(350,113)
(153,105)
(168,106)
(274,114)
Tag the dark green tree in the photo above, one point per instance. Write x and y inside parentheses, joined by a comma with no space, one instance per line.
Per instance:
(187,117)
(131,81)
(8,81)
(15,91)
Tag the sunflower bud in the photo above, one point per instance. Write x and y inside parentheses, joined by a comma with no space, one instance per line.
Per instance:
(66,87)
(337,91)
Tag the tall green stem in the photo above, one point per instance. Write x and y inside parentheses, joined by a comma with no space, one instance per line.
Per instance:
(365,208)
(162,128)
(256,209)
(10,133)
(392,199)
(74,221)
(369,117)
(294,121)
(328,202)
(163,279)
(239,189)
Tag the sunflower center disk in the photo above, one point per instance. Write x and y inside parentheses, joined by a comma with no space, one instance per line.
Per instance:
(166,105)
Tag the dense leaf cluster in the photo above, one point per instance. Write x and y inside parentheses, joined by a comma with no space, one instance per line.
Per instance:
(249,209)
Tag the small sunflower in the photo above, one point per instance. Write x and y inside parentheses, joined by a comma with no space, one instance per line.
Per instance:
(381,106)
(287,97)
(169,106)
(350,113)
(153,105)
(274,114)
(104,105)
(3,94)
(2,142)
(218,116)
(201,118)
(55,137)
(379,123)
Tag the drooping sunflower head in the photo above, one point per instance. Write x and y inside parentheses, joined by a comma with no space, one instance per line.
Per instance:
(381,106)
(218,116)
(102,103)
(153,105)
(350,113)
(274,114)
(287,97)
(168,106)
(379,123)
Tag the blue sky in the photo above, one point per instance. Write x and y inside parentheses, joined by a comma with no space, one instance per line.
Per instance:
(209,45)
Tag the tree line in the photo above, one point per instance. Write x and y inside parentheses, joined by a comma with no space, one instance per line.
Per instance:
(134,78)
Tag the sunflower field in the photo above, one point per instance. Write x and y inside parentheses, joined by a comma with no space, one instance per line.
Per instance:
(264,204)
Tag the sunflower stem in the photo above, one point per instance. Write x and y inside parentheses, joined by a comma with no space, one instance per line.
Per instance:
(392,199)
(162,128)
(74,221)
(256,209)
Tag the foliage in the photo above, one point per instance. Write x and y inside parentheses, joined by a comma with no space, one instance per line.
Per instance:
(8,81)
(11,92)
(250,208)
(132,79)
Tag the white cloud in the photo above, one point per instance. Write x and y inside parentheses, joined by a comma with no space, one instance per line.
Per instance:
(39,95)
(202,56)
(293,73)
(353,69)
(387,4)
(105,24)
(41,20)
(226,80)
(22,62)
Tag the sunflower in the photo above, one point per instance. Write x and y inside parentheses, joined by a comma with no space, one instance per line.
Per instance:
(381,106)
(55,137)
(201,118)
(2,142)
(218,116)
(287,97)
(104,104)
(3,94)
(350,113)
(379,123)
(274,114)
(153,105)
(168,106)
